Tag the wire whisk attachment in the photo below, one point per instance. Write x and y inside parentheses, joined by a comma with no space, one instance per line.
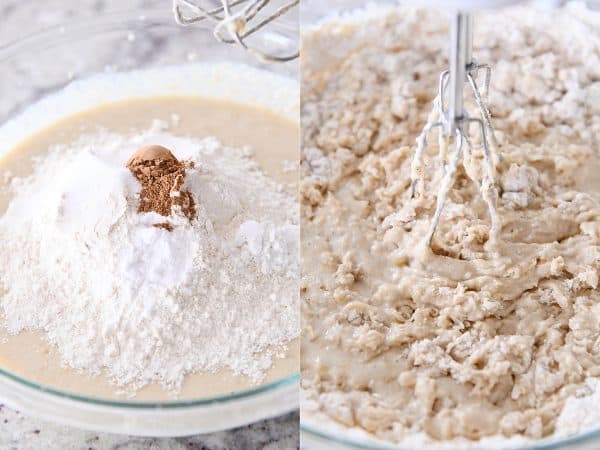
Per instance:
(236,20)
(454,124)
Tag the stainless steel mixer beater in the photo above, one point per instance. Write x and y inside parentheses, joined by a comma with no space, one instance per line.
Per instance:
(235,20)
(453,121)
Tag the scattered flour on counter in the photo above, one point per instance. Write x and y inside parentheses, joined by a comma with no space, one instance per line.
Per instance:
(114,292)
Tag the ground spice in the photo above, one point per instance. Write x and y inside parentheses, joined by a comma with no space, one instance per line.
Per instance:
(161,176)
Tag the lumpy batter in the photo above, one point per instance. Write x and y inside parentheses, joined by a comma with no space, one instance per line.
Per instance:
(466,339)
(274,140)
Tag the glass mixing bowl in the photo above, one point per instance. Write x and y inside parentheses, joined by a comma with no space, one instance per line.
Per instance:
(316,433)
(315,437)
(47,61)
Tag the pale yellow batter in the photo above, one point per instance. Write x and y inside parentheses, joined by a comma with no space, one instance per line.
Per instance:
(274,141)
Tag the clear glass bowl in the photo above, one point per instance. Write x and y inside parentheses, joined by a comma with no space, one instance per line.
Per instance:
(315,437)
(46,62)
(315,433)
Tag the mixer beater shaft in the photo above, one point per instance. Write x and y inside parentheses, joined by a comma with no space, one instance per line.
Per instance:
(453,121)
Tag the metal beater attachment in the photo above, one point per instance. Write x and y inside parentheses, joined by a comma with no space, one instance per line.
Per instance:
(235,20)
(454,124)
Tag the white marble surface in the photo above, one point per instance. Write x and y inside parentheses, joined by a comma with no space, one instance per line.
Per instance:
(18,432)
(19,18)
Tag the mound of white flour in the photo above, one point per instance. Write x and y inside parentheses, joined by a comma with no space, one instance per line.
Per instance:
(116,293)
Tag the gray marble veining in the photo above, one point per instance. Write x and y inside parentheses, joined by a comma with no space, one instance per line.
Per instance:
(18,432)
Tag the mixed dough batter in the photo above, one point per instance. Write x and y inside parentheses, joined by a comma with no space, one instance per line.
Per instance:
(466,339)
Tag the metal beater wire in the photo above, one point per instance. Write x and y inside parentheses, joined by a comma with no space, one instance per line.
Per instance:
(451,118)
(233,27)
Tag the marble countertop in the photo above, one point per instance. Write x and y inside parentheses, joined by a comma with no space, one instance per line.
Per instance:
(20,432)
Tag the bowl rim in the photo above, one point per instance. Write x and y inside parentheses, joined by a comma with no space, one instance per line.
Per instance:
(550,443)
(146,404)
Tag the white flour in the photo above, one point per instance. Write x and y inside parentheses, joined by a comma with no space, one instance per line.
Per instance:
(114,292)
(581,412)
(273,248)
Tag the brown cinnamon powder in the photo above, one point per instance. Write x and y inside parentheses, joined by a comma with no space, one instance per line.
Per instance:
(161,176)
